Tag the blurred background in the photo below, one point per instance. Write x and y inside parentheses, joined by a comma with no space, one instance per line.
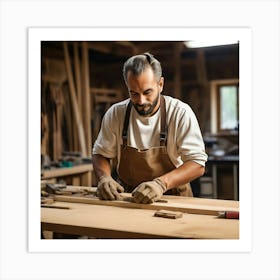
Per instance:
(81,80)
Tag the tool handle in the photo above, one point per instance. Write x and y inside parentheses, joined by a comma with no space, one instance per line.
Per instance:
(229,215)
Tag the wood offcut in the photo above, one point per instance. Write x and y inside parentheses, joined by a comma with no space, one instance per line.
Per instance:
(168,214)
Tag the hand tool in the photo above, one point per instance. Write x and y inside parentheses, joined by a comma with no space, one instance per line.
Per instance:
(229,214)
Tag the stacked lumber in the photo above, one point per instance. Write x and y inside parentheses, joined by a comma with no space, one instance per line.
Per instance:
(66,112)
(72,110)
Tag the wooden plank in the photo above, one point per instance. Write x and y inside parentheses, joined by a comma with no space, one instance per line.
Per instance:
(56,94)
(59,172)
(202,78)
(81,189)
(68,118)
(45,133)
(86,95)
(77,72)
(74,102)
(188,205)
(177,70)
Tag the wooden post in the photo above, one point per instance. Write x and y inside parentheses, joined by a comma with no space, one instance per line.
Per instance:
(45,133)
(203,81)
(77,67)
(71,129)
(87,109)
(177,70)
(74,102)
(56,129)
(78,74)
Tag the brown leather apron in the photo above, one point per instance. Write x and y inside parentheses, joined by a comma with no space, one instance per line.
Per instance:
(137,166)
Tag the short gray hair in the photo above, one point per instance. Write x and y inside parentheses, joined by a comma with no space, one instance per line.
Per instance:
(139,63)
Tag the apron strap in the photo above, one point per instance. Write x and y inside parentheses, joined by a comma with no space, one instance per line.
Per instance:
(163,126)
(126,122)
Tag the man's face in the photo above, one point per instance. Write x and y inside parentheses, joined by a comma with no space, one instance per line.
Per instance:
(144,91)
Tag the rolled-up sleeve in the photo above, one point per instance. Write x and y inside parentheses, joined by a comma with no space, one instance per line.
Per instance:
(190,143)
(106,142)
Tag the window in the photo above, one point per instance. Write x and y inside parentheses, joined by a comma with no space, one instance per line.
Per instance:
(224,105)
(228,107)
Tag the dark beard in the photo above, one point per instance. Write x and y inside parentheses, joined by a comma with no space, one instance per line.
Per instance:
(146,109)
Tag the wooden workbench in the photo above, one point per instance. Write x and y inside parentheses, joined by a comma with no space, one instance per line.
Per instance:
(103,221)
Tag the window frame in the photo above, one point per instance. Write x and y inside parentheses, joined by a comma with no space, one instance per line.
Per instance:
(215,103)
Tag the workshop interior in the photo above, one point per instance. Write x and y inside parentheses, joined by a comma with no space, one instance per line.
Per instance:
(80,80)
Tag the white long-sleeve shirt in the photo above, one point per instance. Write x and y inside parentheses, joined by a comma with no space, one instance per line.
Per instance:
(184,139)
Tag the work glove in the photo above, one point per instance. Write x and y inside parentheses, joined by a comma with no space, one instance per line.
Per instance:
(108,188)
(149,192)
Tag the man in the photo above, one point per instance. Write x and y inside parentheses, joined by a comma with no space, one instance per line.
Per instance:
(155,139)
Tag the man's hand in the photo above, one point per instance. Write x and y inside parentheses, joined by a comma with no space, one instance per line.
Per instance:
(109,189)
(149,192)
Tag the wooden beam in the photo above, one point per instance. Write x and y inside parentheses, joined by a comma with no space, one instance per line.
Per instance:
(77,67)
(62,172)
(56,96)
(177,69)
(115,48)
(205,91)
(67,110)
(87,101)
(74,102)
(78,74)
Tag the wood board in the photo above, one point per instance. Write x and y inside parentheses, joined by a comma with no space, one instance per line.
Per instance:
(65,171)
(183,204)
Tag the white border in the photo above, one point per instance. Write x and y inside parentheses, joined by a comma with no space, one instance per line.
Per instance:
(262,16)
(36,35)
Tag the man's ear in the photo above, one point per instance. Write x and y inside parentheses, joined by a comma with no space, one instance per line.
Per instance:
(160,84)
